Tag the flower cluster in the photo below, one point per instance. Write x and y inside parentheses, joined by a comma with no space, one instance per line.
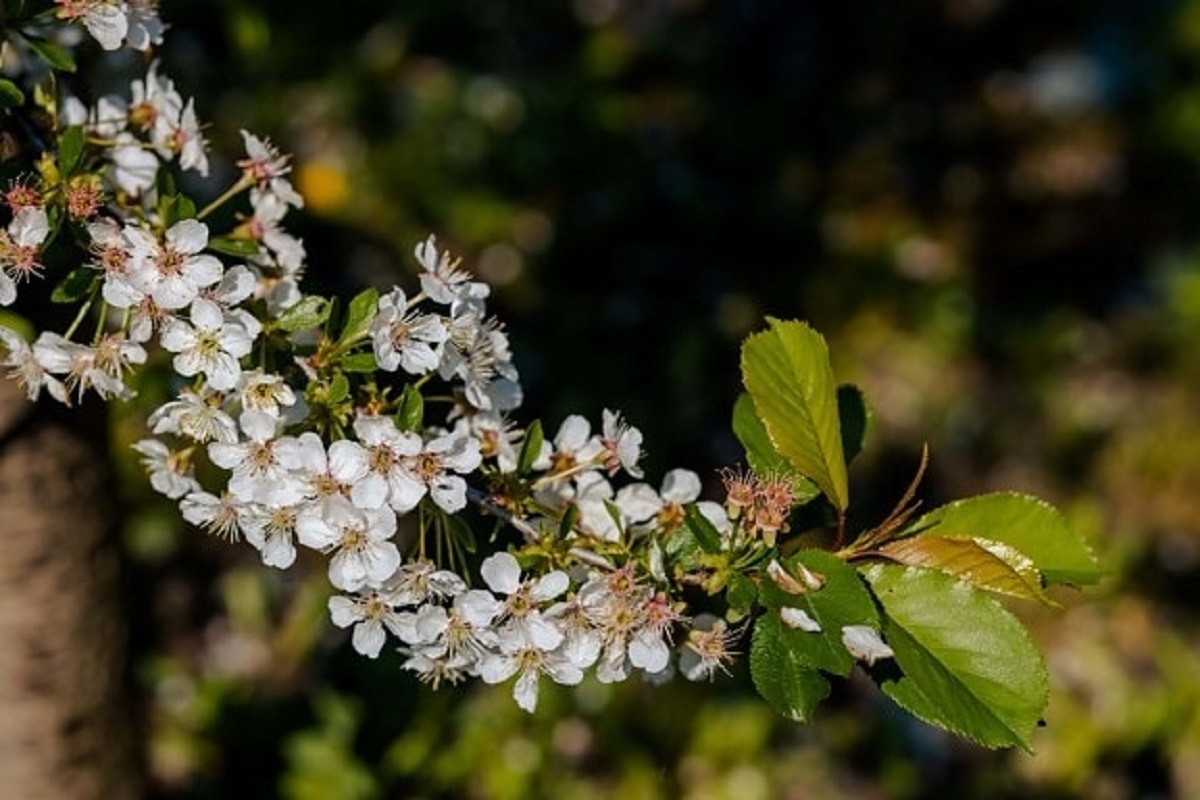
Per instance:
(295,427)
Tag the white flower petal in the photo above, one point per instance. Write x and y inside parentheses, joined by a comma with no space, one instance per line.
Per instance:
(501,572)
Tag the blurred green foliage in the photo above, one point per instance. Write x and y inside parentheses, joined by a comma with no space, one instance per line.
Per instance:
(989,207)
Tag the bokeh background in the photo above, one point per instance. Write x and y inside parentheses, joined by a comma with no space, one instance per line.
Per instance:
(991,208)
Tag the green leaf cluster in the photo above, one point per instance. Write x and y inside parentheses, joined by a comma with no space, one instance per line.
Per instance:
(958,659)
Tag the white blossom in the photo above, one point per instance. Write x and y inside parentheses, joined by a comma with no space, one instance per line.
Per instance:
(865,644)
(360,541)
(406,340)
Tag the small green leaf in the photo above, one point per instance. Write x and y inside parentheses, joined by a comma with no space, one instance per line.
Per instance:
(780,673)
(164,184)
(460,532)
(359,362)
(359,316)
(531,448)
(682,549)
(176,209)
(310,312)
(411,414)
(1032,526)
(988,565)
(75,286)
(339,389)
(10,95)
(567,525)
(855,418)
(842,600)
(741,593)
(57,57)
(786,370)
(233,245)
(761,453)
(968,665)
(70,149)
(707,535)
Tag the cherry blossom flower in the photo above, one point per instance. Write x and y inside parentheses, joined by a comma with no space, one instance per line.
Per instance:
(266,167)
(360,540)
(258,473)
(386,454)
(707,649)
(198,416)
(528,662)
(211,344)
(435,463)
(405,339)
(174,270)
(444,279)
(171,473)
(25,368)
(371,613)
(502,574)
(271,531)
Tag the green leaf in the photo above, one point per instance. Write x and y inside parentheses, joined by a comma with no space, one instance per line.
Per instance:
(339,389)
(359,316)
(741,593)
(359,362)
(310,312)
(176,208)
(761,453)
(75,286)
(682,549)
(786,370)
(411,414)
(1032,526)
(460,532)
(164,184)
(10,95)
(567,524)
(842,600)
(855,418)
(780,673)
(707,535)
(968,665)
(57,57)
(531,448)
(233,245)
(988,565)
(70,149)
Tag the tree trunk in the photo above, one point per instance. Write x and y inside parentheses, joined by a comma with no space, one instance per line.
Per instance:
(66,730)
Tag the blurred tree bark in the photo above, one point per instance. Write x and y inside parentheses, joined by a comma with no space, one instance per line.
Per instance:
(66,730)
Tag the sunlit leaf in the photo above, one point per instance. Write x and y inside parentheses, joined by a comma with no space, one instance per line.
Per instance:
(841,600)
(359,362)
(310,312)
(968,665)
(233,245)
(531,448)
(70,149)
(411,414)
(761,453)
(786,370)
(988,565)
(1032,526)
(707,535)
(359,316)
(780,672)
